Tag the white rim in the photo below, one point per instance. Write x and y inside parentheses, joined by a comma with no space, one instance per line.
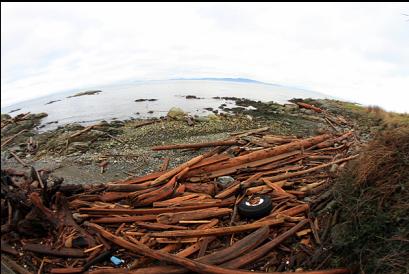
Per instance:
(260,201)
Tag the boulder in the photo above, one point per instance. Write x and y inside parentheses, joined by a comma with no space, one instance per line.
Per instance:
(201,118)
(78,146)
(225,181)
(213,117)
(290,107)
(177,113)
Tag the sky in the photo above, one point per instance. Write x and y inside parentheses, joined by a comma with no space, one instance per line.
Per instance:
(355,51)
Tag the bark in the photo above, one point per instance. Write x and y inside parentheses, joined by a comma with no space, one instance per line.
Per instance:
(206,188)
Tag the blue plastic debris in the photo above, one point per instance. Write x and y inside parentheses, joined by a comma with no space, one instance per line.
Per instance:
(116,260)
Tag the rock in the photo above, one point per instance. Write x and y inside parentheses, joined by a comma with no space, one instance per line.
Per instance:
(51,102)
(144,100)
(34,184)
(5,117)
(13,129)
(309,112)
(77,217)
(192,97)
(202,119)
(117,124)
(78,146)
(73,127)
(225,181)
(321,130)
(213,117)
(88,136)
(334,168)
(14,110)
(40,115)
(176,113)
(290,107)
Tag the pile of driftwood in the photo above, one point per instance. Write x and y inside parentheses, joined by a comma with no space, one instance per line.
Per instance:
(181,219)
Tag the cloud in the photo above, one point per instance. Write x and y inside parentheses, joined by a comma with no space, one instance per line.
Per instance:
(353,51)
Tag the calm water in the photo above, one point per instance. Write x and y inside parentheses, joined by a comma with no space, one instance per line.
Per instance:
(119,101)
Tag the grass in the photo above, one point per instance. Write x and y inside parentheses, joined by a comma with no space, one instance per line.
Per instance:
(391,119)
(387,119)
(373,197)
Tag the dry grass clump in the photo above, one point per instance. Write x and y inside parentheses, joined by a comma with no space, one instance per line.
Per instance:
(389,119)
(373,195)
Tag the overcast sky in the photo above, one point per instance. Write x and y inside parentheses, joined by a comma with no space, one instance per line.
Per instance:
(358,51)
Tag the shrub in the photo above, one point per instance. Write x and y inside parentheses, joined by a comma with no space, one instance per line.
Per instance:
(373,194)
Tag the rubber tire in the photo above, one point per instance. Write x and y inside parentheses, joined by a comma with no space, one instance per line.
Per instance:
(255,212)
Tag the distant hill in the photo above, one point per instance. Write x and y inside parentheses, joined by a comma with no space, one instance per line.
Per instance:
(239,80)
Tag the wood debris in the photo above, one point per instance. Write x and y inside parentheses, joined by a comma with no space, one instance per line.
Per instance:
(180,216)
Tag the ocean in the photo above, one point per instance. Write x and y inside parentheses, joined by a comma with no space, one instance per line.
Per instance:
(118,101)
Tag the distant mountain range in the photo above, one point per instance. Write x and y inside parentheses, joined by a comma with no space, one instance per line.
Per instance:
(240,80)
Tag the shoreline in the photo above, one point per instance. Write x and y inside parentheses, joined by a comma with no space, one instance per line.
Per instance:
(127,146)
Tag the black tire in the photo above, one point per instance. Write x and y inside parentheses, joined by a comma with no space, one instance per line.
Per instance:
(260,209)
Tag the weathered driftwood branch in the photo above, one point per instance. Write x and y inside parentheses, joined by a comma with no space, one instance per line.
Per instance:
(201,145)
(330,142)
(129,219)
(142,211)
(18,159)
(261,251)
(159,226)
(308,106)
(217,231)
(82,131)
(173,218)
(230,170)
(13,137)
(14,265)
(302,172)
(262,154)
(189,264)
(60,252)
(240,247)
(177,170)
